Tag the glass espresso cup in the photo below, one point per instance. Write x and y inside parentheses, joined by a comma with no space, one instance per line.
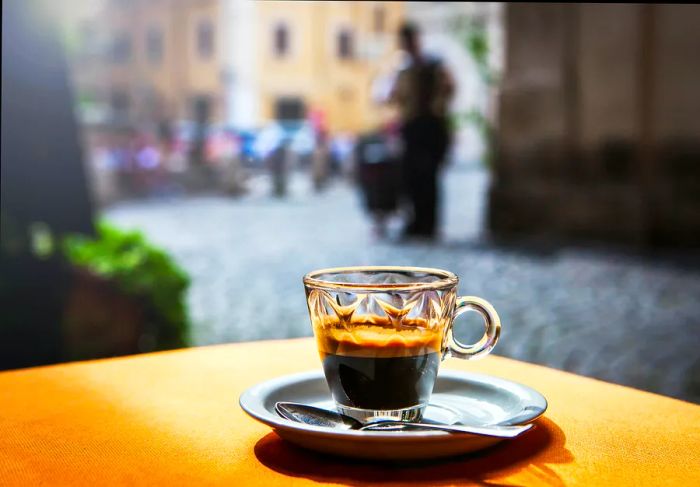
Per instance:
(382,333)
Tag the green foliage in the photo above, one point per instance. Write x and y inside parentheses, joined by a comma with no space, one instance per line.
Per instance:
(477,119)
(474,38)
(478,46)
(480,122)
(139,269)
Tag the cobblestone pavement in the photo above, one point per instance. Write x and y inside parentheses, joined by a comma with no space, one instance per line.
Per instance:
(609,314)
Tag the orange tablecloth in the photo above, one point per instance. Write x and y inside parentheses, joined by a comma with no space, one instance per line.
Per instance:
(173,419)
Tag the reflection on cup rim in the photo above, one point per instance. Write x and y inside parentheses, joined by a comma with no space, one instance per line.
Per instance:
(446,279)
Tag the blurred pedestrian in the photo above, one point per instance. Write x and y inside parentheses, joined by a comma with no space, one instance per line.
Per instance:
(320,161)
(230,168)
(320,156)
(278,162)
(342,150)
(422,91)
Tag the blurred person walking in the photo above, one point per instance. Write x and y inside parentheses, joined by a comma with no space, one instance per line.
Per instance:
(320,161)
(278,163)
(320,157)
(422,91)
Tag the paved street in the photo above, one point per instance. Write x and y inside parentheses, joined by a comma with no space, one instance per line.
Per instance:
(610,314)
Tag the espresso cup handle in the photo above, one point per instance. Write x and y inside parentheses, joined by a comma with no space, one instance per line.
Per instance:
(492,325)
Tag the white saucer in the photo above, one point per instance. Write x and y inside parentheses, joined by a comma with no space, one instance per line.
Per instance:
(458,398)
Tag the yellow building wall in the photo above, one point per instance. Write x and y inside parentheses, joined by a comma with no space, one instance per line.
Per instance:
(120,76)
(181,73)
(291,75)
(158,76)
(313,70)
(203,75)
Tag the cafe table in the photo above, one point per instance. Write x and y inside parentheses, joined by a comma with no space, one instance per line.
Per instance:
(172,418)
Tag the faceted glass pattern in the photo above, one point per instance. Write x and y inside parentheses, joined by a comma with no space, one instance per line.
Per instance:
(342,308)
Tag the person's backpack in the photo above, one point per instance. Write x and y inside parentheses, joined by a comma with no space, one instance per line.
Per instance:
(377,170)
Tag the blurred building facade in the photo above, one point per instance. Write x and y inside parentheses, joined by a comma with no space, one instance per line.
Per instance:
(237,62)
(324,56)
(599,133)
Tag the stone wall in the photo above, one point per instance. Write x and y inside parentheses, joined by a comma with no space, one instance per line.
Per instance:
(599,124)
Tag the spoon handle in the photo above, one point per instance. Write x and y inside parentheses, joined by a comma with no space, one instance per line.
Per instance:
(493,431)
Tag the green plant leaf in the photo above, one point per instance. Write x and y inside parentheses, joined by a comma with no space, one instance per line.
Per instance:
(140,269)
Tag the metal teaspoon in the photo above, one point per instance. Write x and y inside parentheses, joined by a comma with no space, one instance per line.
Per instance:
(314,416)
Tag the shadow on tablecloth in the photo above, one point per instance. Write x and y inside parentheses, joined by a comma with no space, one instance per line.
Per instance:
(525,458)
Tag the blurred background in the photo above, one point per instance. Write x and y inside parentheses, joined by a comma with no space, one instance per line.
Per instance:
(171,169)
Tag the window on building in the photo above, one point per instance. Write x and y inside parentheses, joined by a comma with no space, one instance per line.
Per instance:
(379,19)
(281,41)
(345,44)
(120,51)
(154,45)
(205,39)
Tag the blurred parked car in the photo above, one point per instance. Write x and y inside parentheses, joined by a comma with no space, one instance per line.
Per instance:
(221,141)
(299,134)
(253,146)
(268,139)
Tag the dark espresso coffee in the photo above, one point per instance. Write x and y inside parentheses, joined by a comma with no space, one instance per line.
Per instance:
(372,367)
